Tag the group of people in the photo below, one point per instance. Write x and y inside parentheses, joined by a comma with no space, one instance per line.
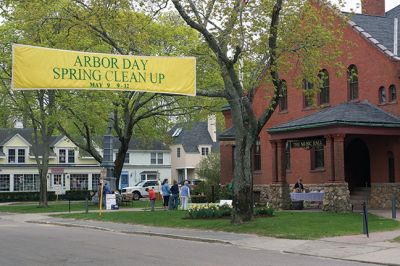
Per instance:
(171,195)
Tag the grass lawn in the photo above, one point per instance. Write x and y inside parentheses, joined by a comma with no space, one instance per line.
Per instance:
(285,224)
(397,239)
(62,206)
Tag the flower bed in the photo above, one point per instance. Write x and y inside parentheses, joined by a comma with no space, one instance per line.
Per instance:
(214,210)
(209,210)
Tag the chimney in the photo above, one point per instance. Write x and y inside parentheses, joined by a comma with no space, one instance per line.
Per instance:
(18,124)
(373,7)
(212,127)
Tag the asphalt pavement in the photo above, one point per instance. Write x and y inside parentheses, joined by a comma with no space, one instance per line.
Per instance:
(378,248)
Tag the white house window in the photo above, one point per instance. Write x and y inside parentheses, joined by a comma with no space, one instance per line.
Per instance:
(156,158)
(4,182)
(71,156)
(27,182)
(57,180)
(178,152)
(153,159)
(62,158)
(79,181)
(21,156)
(95,181)
(66,156)
(16,155)
(126,158)
(11,156)
(204,151)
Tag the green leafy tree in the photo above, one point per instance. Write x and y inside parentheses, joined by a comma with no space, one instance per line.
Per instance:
(261,40)
(209,169)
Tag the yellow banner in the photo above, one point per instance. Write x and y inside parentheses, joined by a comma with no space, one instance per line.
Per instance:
(36,68)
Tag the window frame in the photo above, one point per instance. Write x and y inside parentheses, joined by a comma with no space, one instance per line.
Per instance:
(382,95)
(307,99)
(352,82)
(4,182)
(178,152)
(204,151)
(323,96)
(126,159)
(62,155)
(283,100)
(392,96)
(318,158)
(257,155)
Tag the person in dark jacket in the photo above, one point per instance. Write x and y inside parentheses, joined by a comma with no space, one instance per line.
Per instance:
(174,201)
(299,185)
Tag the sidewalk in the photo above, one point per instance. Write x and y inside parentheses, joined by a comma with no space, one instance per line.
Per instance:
(375,249)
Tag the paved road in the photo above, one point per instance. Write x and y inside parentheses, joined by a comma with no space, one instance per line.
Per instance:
(37,244)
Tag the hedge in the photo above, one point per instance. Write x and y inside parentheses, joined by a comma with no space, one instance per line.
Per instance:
(34,196)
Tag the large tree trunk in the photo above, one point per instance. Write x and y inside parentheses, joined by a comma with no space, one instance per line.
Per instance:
(43,201)
(120,160)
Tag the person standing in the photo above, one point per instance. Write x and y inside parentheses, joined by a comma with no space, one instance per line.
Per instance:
(175,195)
(165,192)
(152,197)
(299,185)
(185,195)
(106,190)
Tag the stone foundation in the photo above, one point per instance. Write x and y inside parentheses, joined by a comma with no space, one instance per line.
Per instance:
(337,197)
(277,195)
(382,193)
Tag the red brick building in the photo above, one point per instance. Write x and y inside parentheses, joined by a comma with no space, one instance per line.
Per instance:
(349,141)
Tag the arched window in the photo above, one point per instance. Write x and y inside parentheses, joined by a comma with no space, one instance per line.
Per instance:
(391,166)
(257,155)
(283,101)
(307,87)
(352,82)
(392,93)
(382,94)
(324,90)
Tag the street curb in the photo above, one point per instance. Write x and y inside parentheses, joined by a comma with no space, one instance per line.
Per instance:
(188,238)
(343,259)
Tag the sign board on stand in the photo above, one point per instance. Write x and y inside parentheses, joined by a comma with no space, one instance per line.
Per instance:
(110,201)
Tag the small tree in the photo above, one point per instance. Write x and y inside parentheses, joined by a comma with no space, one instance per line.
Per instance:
(209,169)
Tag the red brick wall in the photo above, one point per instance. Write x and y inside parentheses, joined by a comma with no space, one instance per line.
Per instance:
(375,69)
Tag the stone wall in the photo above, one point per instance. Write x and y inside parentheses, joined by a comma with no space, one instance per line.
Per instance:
(277,195)
(337,197)
(382,193)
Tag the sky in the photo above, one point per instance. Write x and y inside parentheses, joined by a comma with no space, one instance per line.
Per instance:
(352,4)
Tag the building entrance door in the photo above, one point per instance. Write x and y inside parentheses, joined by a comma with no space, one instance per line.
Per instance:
(357,165)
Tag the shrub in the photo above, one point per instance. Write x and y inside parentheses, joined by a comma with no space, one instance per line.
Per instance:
(24,196)
(265,211)
(198,199)
(75,195)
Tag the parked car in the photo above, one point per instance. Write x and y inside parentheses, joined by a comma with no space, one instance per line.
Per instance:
(139,190)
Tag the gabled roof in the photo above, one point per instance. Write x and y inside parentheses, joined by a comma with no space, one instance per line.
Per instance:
(7,134)
(193,135)
(345,114)
(137,144)
(379,30)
